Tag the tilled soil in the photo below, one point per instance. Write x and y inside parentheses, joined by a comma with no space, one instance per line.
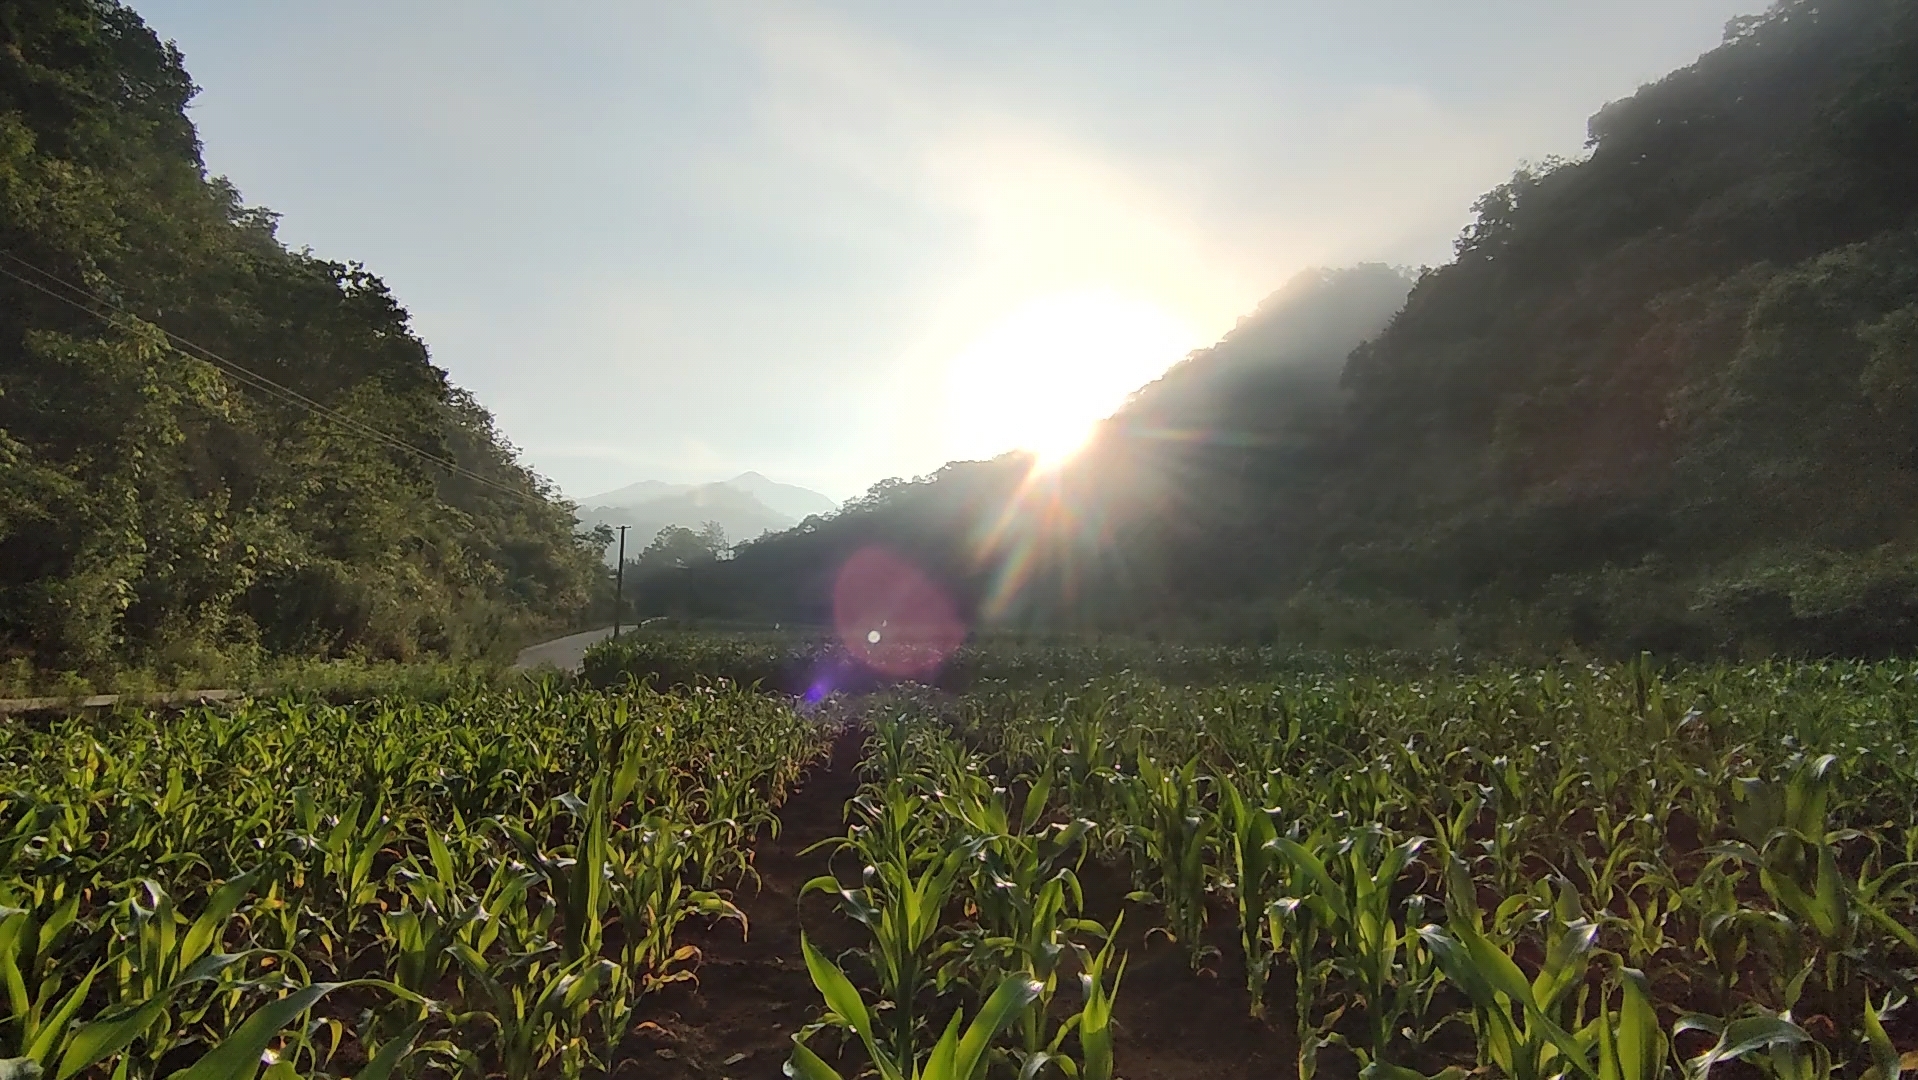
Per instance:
(753,993)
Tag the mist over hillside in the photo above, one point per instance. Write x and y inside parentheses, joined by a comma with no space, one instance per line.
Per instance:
(1171,462)
(644,491)
(793,501)
(1665,397)
(745,507)
(788,500)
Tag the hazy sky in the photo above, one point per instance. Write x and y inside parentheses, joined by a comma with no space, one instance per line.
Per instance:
(839,242)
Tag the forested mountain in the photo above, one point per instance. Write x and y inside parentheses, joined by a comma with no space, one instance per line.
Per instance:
(1666,397)
(1190,459)
(281,491)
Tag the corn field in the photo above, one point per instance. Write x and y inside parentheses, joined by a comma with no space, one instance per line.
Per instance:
(1607,873)
(1600,872)
(489,887)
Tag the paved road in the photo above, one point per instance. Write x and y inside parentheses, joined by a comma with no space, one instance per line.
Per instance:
(565,653)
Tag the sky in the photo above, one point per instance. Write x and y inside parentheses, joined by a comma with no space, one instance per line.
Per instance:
(834,243)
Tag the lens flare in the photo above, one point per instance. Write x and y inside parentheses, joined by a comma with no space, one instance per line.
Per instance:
(893,617)
(1054,527)
(1048,540)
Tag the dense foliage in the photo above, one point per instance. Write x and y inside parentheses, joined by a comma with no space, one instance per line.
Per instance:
(158,507)
(489,886)
(1620,872)
(1663,398)
(1596,872)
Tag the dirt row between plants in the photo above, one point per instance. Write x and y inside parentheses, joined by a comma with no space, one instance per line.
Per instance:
(752,994)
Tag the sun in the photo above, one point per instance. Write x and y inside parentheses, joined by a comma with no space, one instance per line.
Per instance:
(1042,377)
(1056,446)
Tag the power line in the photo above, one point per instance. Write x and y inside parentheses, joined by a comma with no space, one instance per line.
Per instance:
(247,377)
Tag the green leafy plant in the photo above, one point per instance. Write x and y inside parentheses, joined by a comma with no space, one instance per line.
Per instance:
(957,1055)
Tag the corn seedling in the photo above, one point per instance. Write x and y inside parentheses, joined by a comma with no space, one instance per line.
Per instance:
(957,1055)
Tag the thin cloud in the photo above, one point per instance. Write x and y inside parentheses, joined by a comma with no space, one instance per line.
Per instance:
(772,228)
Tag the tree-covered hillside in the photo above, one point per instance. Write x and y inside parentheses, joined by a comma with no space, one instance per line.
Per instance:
(281,491)
(1665,397)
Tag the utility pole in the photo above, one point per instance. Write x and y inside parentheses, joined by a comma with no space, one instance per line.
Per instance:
(619,581)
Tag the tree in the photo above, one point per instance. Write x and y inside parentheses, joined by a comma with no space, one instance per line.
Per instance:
(678,548)
(712,536)
(156,508)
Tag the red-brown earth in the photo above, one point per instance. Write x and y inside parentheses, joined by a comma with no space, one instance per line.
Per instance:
(751,996)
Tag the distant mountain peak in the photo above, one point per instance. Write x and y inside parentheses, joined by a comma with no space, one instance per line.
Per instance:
(636,494)
(746,505)
(795,502)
